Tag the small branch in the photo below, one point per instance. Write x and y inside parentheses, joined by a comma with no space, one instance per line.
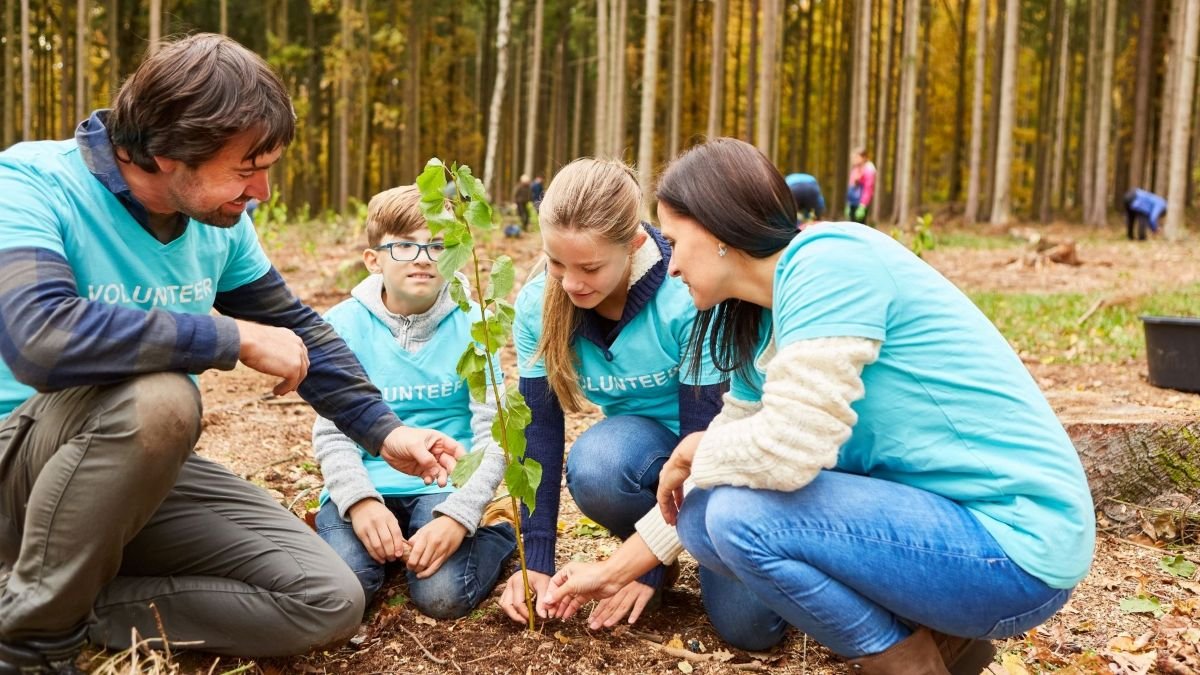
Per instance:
(429,655)
(1156,549)
(1090,311)
(652,637)
(301,495)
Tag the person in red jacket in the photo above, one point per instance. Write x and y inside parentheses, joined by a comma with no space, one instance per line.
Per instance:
(861,189)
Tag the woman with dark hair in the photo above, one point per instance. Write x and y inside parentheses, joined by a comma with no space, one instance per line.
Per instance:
(884,474)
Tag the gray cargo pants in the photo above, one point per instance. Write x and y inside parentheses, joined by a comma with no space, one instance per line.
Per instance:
(105,510)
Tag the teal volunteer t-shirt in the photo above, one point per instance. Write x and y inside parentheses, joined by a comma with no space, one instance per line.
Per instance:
(641,372)
(949,407)
(422,388)
(52,201)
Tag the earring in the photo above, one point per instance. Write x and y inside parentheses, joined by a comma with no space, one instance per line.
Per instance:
(721,250)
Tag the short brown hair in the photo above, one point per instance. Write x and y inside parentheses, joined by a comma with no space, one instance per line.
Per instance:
(190,97)
(394,212)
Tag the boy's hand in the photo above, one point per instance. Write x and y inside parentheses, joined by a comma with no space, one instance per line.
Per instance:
(426,453)
(433,544)
(379,531)
(512,600)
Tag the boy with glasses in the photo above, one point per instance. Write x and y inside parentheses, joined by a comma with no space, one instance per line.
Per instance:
(408,333)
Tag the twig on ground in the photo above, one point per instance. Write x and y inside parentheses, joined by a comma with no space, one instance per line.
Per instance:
(653,637)
(300,495)
(689,655)
(753,666)
(429,655)
(481,658)
(1090,311)
(1155,549)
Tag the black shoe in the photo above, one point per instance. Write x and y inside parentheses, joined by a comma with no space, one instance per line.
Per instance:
(55,656)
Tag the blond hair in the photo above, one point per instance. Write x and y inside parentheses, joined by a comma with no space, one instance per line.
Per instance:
(600,197)
(394,212)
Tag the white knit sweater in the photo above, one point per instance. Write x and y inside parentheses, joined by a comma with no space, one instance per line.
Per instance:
(784,441)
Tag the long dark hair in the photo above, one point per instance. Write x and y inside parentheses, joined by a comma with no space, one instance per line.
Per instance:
(736,193)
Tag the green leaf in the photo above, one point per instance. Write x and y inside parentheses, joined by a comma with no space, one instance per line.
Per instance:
(1142,604)
(473,360)
(489,333)
(458,293)
(514,442)
(465,468)
(503,312)
(522,479)
(478,214)
(469,184)
(478,384)
(503,276)
(453,258)
(518,412)
(431,182)
(1178,566)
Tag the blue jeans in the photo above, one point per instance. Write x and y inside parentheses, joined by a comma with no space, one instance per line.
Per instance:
(856,562)
(458,586)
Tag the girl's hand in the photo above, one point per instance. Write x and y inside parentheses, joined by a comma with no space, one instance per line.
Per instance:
(433,544)
(378,530)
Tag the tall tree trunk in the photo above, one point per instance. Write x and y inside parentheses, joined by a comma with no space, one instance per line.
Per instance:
(922,134)
(883,98)
(1141,98)
(66,84)
(493,115)
(860,82)
(603,96)
(1170,81)
(345,78)
(1047,108)
(82,61)
(1001,197)
(960,104)
(533,96)
(1100,199)
(767,70)
(514,133)
(673,131)
(649,88)
(412,95)
(619,28)
(364,109)
(224,20)
(907,105)
(1087,178)
(1180,118)
(114,47)
(155,26)
(752,56)
(577,127)
(10,113)
(996,47)
(1058,159)
(806,114)
(716,75)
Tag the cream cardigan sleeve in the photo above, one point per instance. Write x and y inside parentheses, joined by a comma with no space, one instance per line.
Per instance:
(782,443)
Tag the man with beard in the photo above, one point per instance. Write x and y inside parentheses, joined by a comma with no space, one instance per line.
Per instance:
(114,248)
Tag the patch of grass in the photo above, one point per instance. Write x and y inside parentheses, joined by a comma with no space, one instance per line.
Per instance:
(973,240)
(1047,328)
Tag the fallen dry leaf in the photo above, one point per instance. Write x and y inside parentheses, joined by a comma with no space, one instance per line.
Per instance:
(685,666)
(1013,664)
(676,641)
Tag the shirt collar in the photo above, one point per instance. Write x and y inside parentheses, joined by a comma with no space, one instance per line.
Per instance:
(96,149)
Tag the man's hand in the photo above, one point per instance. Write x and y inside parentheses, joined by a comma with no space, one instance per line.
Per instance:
(512,600)
(377,529)
(631,600)
(422,452)
(273,351)
(433,544)
(674,473)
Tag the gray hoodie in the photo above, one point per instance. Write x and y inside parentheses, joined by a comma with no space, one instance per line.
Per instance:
(341,464)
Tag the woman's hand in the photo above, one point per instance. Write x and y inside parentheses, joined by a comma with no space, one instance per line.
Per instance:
(378,530)
(512,600)
(433,544)
(673,474)
(577,584)
(630,601)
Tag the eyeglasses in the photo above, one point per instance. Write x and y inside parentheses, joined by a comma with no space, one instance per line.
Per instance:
(408,251)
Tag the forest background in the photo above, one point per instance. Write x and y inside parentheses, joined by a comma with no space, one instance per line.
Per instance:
(993,110)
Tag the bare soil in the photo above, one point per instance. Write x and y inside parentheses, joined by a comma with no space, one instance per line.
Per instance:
(267,441)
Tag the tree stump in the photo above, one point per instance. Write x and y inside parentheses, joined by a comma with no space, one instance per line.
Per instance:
(1135,453)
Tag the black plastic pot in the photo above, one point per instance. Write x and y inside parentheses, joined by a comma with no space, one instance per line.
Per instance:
(1173,351)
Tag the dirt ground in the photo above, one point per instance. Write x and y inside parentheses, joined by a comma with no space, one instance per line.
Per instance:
(267,441)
